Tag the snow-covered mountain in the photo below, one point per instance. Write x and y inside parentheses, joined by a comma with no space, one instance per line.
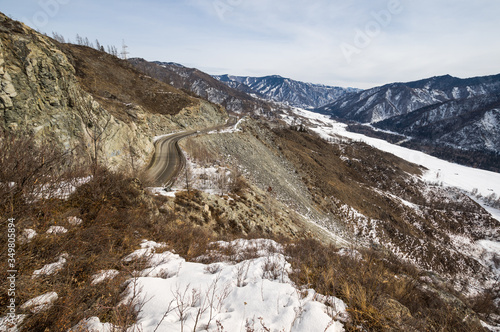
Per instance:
(285,90)
(205,86)
(395,99)
(443,112)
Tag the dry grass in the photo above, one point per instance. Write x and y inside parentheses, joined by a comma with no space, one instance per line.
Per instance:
(381,292)
(117,214)
(115,83)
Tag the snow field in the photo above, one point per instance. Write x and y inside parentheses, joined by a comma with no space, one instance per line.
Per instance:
(254,293)
(450,174)
(251,295)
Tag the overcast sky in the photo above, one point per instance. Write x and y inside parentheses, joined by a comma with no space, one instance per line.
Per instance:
(357,43)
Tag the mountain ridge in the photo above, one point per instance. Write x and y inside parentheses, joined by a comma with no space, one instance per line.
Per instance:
(286,90)
(205,86)
(441,113)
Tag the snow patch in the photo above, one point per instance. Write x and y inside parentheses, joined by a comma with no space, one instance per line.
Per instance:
(28,234)
(93,324)
(250,294)
(40,303)
(104,275)
(51,268)
(56,230)
(148,248)
(75,221)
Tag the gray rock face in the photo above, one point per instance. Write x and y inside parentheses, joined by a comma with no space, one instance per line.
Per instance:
(40,94)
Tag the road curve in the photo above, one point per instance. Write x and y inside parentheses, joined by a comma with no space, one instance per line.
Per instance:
(168,159)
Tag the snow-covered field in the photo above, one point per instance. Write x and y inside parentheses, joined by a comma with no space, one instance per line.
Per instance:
(247,295)
(438,171)
(472,181)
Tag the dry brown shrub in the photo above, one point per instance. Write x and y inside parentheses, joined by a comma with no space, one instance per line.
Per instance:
(367,284)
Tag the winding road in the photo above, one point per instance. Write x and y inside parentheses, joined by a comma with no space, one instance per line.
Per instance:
(168,159)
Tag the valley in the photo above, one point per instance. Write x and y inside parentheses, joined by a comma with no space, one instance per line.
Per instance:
(201,202)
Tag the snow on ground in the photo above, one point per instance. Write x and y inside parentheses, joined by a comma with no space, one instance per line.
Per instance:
(450,174)
(203,178)
(56,230)
(446,173)
(254,294)
(495,213)
(11,323)
(156,138)
(40,303)
(148,248)
(51,268)
(93,324)
(233,129)
(28,234)
(490,327)
(104,275)
(491,254)
(75,221)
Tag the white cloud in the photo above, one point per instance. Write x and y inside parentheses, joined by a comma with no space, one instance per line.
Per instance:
(300,39)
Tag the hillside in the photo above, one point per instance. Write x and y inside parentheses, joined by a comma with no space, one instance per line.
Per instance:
(280,220)
(204,86)
(49,90)
(456,119)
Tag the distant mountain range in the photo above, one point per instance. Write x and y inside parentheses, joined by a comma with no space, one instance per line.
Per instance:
(285,90)
(203,85)
(444,115)
(451,118)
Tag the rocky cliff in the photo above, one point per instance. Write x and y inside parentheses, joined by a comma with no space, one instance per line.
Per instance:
(58,92)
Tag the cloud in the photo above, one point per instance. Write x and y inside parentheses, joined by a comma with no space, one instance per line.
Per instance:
(301,39)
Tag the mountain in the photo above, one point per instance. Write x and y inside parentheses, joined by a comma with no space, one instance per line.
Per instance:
(205,86)
(285,90)
(363,239)
(63,93)
(443,115)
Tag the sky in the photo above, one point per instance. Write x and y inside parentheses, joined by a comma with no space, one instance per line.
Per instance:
(349,43)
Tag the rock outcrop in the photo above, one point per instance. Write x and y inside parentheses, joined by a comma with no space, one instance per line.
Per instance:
(44,91)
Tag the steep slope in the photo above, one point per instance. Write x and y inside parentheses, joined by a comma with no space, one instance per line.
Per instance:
(204,86)
(442,115)
(285,90)
(371,199)
(64,93)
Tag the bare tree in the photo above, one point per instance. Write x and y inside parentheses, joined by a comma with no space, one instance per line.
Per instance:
(181,299)
(58,37)
(113,50)
(96,128)
(79,40)
(29,171)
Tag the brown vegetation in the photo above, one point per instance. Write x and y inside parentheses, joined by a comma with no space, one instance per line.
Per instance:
(370,181)
(118,86)
(382,292)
